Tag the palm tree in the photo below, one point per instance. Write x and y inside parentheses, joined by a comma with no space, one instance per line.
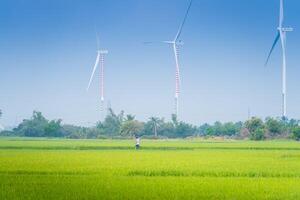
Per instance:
(130,117)
(131,128)
(155,122)
(174,119)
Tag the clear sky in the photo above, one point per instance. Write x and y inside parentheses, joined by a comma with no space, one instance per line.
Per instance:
(48,49)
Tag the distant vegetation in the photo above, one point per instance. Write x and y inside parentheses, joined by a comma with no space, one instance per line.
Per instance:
(122,126)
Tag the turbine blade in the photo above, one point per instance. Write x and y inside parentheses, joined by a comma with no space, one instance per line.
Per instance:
(146,43)
(281,15)
(183,22)
(273,46)
(94,69)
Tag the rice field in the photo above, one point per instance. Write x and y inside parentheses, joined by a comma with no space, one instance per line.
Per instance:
(162,169)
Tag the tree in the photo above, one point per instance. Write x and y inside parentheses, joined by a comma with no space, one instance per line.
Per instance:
(155,122)
(130,117)
(296,132)
(185,130)
(218,128)
(256,128)
(54,129)
(293,123)
(258,134)
(174,119)
(253,124)
(203,129)
(112,123)
(274,127)
(167,129)
(78,132)
(1,127)
(231,128)
(34,127)
(39,126)
(131,128)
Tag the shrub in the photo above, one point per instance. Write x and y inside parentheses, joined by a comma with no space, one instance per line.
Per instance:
(296,132)
(258,134)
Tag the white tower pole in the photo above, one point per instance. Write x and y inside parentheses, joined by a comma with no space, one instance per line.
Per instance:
(102,55)
(282,31)
(177,78)
(283,34)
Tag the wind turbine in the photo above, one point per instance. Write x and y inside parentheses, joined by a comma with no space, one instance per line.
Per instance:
(99,60)
(175,43)
(281,34)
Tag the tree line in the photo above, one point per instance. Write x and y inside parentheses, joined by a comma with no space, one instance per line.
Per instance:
(119,125)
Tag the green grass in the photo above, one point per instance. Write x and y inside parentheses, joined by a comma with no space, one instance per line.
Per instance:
(174,169)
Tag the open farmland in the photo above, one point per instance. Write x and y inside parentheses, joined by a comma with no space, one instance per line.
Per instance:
(174,169)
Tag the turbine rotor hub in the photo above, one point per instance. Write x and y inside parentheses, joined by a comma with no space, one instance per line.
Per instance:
(103,51)
(286,29)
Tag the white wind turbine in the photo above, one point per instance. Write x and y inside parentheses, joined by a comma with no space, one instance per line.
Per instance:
(175,43)
(99,60)
(281,34)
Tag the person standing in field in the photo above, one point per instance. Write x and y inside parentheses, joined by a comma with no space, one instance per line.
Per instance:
(137,142)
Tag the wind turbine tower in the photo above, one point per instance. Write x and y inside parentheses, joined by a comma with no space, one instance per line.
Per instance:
(99,62)
(281,34)
(175,44)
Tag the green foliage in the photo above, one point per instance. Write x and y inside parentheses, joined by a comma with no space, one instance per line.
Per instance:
(204,129)
(130,117)
(155,123)
(256,128)
(219,129)
(296,132)
(231,128)
(167,129)
(184,130)
(121,125)
(112,123)
(39,126)
(131,128)
(253,124)
(7,133)
(174,119)
(292,123)
(54,129)
(257,134)
(274,126)
(34,127)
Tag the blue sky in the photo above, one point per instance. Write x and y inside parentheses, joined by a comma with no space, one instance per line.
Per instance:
(48,48)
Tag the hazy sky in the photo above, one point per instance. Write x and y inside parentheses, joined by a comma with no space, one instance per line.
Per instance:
(48,49)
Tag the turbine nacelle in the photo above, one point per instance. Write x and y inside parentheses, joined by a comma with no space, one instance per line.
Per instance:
(102,51)
(178,43)
(287,29)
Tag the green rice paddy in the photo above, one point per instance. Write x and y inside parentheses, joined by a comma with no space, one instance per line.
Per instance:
(162,169)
